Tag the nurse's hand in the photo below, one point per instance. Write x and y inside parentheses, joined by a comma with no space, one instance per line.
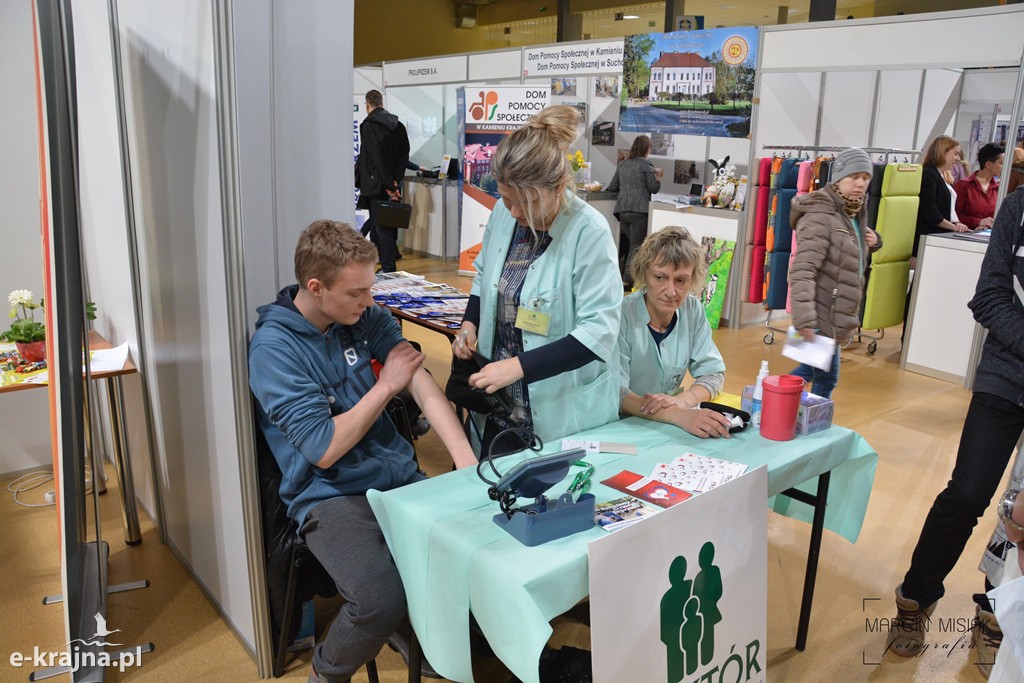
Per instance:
(497,375)
(465,342)
(704,423)
(652,403)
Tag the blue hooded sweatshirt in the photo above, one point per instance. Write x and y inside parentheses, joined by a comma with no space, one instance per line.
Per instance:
(301,378)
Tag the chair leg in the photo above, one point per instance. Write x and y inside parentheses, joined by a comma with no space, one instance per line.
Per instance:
(371,671)
(415,658)
(286,616)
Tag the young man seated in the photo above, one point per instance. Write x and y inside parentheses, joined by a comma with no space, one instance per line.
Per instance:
(322,412)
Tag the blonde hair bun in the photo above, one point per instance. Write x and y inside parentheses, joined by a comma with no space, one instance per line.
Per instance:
(561,122)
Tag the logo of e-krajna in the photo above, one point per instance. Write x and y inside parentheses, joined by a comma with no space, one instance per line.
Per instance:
(74,658)
(485,107)
(689,614)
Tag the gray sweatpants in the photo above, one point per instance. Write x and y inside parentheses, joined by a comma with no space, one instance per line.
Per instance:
(345,537)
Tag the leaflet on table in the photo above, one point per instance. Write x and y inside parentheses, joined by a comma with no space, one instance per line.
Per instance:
(659,493)
(100,360)
(621,512)
(599,446)
(696,473)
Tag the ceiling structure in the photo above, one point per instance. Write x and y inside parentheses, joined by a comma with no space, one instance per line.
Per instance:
(513,23)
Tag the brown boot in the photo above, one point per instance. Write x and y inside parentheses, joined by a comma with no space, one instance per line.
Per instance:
(987,638)
(908,630)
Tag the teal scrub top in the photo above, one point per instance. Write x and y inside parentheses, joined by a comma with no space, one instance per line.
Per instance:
(648,370)
(576,282)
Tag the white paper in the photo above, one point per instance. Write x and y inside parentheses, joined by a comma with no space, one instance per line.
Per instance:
(599,446)
(817,353)
(1008,603)
(102,360)
(697,473)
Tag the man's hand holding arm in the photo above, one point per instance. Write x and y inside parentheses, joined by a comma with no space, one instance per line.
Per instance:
(401,365)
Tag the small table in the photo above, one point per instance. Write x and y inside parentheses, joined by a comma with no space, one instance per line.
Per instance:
(453,558)
(122,465)
(423,322)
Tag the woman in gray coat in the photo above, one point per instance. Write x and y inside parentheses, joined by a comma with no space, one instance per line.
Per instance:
(635,180)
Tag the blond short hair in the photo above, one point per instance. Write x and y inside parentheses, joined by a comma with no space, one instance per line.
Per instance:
(674,247)
(325,247)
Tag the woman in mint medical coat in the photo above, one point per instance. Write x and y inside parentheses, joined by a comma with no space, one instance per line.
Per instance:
(544,307)
(664,334)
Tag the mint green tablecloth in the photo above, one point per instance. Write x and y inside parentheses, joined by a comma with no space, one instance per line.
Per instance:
(453,558)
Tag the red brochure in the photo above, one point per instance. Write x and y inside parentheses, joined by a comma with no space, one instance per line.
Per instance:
(654,492)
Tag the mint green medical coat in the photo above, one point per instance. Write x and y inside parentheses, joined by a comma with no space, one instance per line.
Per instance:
(576,282)
(645,370)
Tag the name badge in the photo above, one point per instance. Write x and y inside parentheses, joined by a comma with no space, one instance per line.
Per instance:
(533,321)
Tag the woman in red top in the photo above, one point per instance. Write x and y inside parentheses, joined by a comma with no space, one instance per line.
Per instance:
(976,194)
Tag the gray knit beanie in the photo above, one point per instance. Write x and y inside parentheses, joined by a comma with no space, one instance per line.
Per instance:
(850,161)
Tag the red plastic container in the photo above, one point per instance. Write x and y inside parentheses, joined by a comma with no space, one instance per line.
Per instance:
(779,404)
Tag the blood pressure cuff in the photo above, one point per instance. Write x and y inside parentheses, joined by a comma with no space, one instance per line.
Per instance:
(459,392)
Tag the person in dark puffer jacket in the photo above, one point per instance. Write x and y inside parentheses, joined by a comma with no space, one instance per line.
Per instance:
(994,424)
(826,275)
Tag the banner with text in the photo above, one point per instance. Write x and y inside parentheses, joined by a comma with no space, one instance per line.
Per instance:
(486,115)
(683,594)
(581,58)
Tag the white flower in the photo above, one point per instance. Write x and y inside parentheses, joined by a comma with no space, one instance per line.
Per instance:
(20,297)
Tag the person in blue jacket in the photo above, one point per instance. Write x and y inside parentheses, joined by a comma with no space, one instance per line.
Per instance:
(665,334)
(544,307)
(322,412)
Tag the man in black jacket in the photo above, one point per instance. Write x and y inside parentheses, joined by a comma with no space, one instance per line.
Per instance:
(383,155)
(994,424)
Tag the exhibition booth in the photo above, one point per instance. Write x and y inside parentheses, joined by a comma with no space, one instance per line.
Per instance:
(217,170)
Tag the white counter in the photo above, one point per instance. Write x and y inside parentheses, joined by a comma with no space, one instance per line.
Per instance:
(942,339)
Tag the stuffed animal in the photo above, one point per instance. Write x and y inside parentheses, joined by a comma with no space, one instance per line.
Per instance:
(722,188)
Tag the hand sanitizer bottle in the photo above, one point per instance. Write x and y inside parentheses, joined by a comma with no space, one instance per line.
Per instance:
(755,412)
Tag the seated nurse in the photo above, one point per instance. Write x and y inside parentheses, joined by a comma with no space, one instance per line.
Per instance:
(544,307)
(664,334)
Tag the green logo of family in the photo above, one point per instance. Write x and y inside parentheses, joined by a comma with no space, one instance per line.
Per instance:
(689,615)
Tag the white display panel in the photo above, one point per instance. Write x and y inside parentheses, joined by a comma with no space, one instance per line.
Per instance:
(367,78)
(939,101)
(941,331)
(789,108)
(873,43)
(421,109)
(425,71)
(898,93)
(495,65)
(989,85)
(846,108)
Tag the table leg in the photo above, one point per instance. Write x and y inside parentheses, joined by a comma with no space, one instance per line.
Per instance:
(99,481)
(817,526)
(122,465)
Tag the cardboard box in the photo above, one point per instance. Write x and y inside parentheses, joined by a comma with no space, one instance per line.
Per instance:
(814,414)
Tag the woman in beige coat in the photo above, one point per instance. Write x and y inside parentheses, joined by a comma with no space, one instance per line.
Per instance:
(826,275)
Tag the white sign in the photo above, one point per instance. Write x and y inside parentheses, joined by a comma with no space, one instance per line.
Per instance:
(424,71)
(486,113)
(683,594)
(573,59)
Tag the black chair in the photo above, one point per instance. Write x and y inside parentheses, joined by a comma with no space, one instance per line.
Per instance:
(293,574)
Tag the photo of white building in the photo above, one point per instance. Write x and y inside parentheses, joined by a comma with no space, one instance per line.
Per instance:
(681,72)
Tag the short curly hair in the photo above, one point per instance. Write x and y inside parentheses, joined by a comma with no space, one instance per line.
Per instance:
(672,246)
(325,247)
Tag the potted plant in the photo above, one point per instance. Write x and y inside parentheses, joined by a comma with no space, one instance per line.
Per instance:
(28,334)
